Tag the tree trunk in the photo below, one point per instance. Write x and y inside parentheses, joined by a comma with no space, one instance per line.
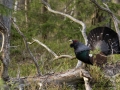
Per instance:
(5,54)
(26,10)
(43,11)
(71,77)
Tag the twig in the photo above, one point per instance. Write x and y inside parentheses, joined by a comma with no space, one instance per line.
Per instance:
(26,44)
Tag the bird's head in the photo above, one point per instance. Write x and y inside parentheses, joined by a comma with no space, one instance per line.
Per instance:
(73,42)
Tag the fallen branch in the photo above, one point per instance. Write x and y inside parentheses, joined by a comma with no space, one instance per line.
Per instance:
(71,77)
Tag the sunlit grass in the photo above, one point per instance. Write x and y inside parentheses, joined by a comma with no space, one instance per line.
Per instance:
(114,58)
(99,81)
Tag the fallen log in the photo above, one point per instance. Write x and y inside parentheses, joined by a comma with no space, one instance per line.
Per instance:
(70,77)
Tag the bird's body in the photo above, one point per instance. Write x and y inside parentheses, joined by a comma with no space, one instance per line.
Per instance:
(81,51)
(84,56)
(102,41)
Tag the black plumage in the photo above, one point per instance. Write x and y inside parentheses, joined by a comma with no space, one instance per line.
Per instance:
(102,41)
(105,39)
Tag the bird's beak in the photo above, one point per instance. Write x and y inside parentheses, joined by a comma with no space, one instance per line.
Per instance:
(71,41)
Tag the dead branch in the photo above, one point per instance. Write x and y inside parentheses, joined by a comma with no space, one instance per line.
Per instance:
(87,85)
(26,44)
(64,56)
(71,77)
(50,51)
(107,9)
(83,30)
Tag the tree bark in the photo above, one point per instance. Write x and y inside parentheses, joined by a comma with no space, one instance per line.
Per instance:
(115,20)
(6,22)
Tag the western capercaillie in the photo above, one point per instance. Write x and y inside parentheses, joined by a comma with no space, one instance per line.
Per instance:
(102,41)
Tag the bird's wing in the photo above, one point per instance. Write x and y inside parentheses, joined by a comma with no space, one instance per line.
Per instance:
(82,47)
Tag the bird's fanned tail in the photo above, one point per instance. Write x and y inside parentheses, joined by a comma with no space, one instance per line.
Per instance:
(104,39)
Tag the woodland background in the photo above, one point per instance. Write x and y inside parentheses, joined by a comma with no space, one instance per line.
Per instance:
(55,31)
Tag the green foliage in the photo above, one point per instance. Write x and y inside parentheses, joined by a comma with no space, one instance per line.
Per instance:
(99,81)
(113,58)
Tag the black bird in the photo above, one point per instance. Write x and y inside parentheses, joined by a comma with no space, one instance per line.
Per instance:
(102,41)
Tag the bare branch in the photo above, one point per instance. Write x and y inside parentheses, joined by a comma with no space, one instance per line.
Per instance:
(26,44)
(64,56)
(50,51)
(115,20)
(70,17)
